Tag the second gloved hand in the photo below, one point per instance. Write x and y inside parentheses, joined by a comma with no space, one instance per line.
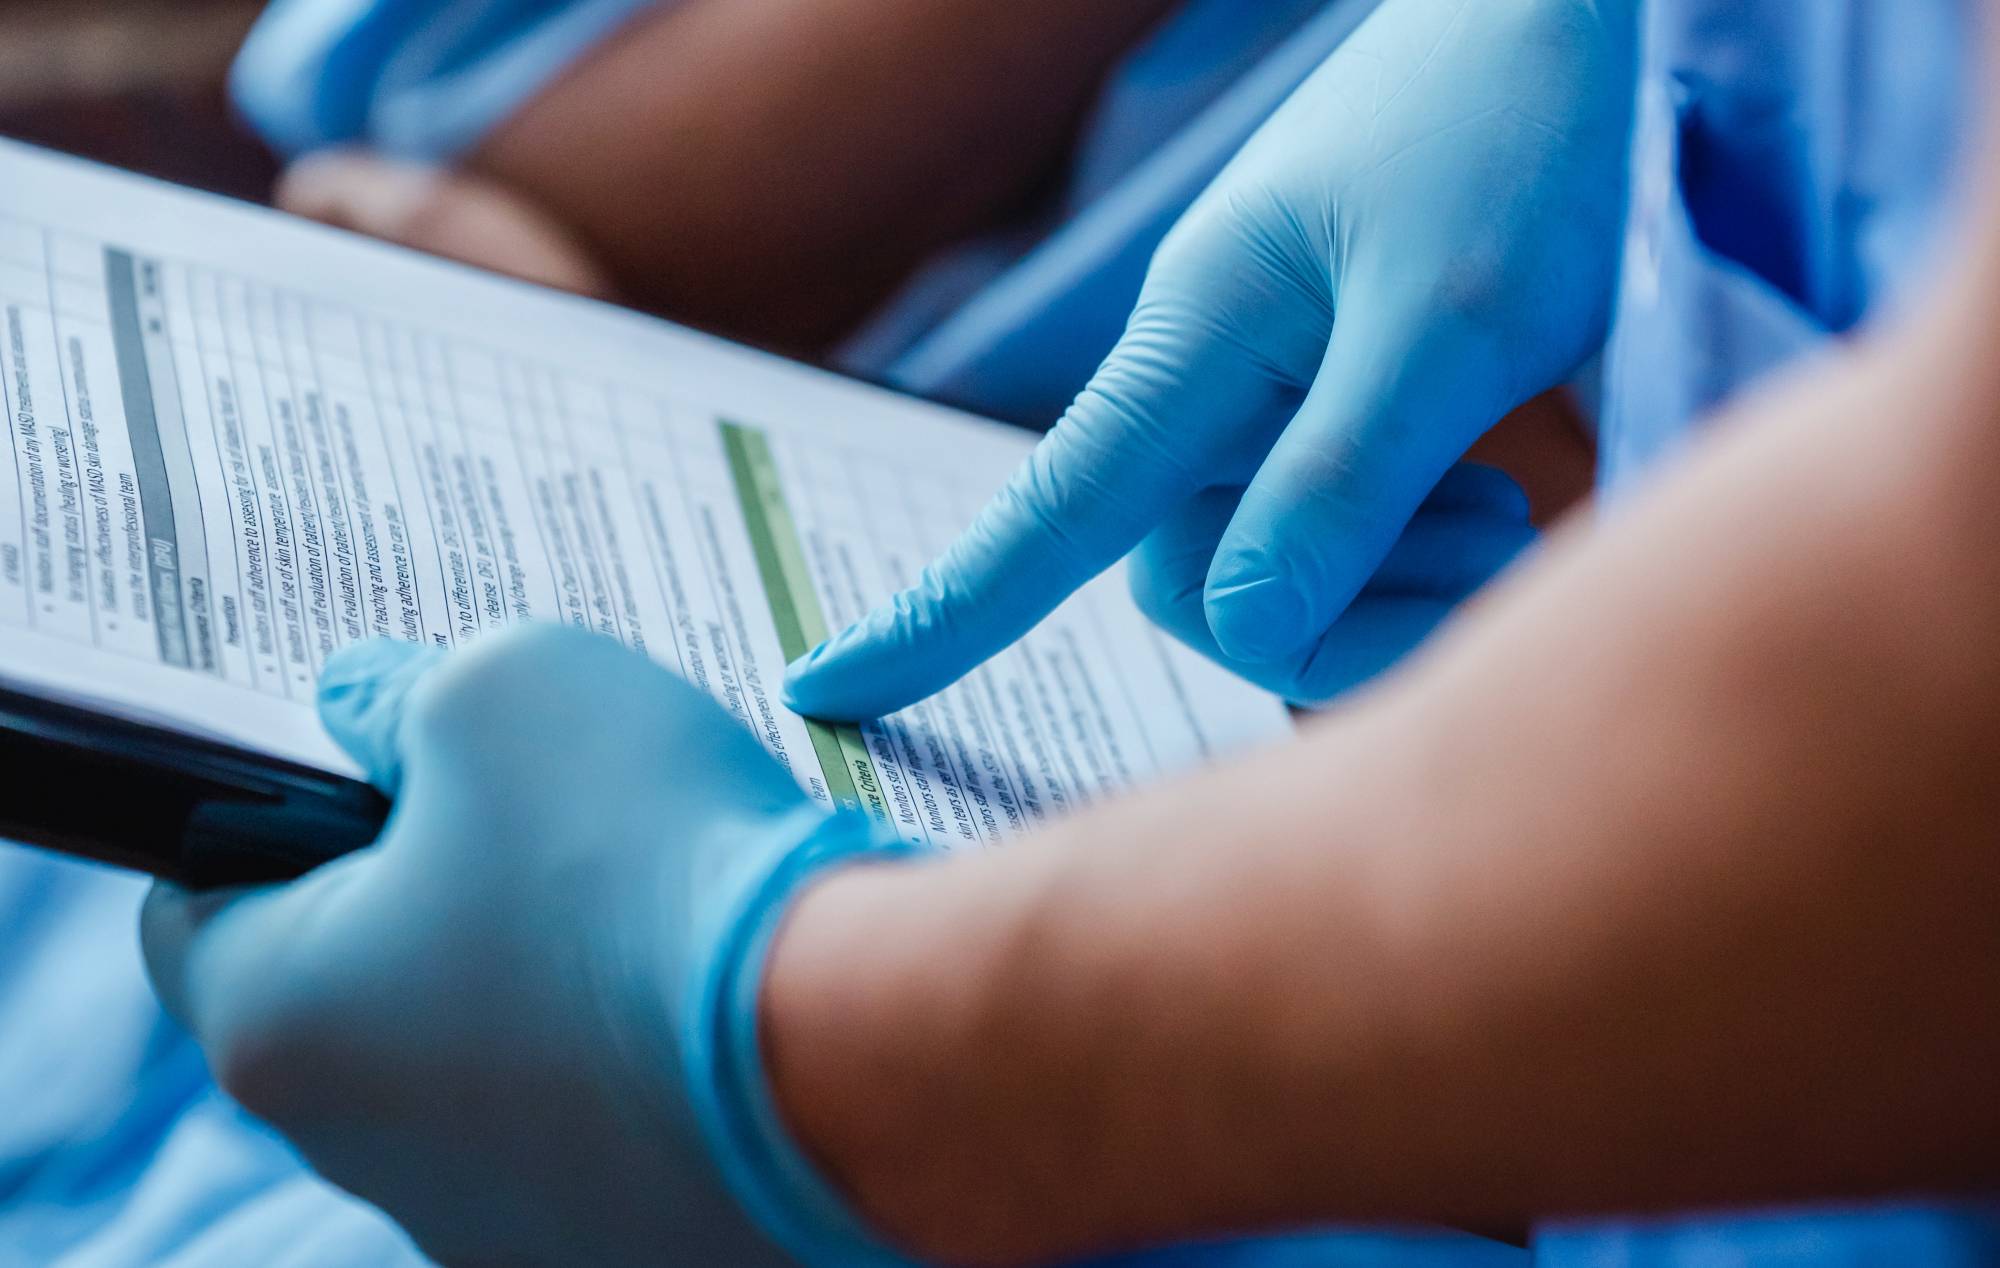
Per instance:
(523,1023)
(1420,240)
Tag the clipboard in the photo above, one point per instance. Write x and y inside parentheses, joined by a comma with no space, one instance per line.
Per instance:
(187,809)
(291,439)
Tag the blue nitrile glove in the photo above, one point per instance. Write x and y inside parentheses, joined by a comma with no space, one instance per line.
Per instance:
(1471,527)
(421,79)
(1421,239)
(524,1022)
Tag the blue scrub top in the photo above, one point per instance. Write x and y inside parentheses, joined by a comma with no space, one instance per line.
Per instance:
(1791,170)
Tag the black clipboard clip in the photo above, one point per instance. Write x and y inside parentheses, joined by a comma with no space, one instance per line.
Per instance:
(192,810)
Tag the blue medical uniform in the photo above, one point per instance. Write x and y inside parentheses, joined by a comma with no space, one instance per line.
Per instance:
(116,1148)
(1790,170)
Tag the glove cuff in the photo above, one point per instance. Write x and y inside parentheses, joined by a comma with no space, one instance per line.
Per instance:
(770,1177)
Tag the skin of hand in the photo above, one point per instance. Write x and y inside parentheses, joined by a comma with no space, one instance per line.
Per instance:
(454,214)
(487,1023)
(1664,879)
(1420,240)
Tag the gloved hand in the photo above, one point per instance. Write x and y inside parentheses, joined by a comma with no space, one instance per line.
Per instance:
(1421,239)
(424,80)
(523,1023)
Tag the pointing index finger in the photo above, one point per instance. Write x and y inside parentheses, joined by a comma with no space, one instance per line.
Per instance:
(1126,454)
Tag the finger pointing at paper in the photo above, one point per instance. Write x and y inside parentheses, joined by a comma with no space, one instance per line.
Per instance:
(1419,241)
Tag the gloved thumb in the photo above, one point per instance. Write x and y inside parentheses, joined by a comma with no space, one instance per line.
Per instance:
(362,692)
(1394,405)
(236,966)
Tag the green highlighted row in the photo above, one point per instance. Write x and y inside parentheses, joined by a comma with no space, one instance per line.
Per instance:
(781,562)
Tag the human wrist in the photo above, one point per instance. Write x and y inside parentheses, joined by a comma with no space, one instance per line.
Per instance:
(826,989)
(900,1032)
(771,1178)
(963,1052)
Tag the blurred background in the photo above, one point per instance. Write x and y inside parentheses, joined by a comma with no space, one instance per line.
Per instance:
(138,83)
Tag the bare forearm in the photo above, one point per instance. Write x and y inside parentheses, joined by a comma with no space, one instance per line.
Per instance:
(771,168)
(1668,879)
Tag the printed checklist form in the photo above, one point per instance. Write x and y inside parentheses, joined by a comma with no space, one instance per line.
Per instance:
(237,443)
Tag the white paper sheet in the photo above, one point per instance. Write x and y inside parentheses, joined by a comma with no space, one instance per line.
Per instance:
(237,443)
